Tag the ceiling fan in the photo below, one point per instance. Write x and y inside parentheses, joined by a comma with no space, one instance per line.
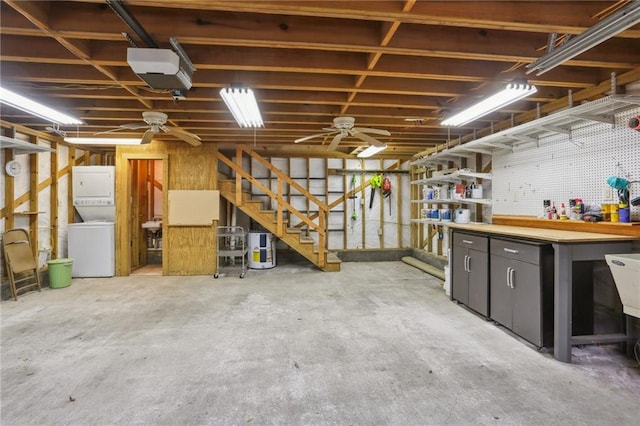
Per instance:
(343,127)
(155,121)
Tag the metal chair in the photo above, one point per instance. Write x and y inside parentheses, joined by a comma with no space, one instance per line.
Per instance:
(20,262)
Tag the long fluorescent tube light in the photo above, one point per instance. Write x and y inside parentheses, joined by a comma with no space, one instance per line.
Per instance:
(603,30)
(104,141)
(243,105)
(371,150)
(32,107)
(512,93)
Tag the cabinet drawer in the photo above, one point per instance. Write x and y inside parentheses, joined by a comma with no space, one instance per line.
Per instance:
(472,241)
(525,252)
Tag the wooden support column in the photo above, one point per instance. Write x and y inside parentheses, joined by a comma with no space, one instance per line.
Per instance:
(53,202)
(238,177)
(33,201)
(9,194)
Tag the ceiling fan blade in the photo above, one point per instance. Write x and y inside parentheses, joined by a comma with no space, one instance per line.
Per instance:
(126,126)
(306,138)
(182,134)
(133,126)
(336,140)
(374,131)
(370,140)
(147,137)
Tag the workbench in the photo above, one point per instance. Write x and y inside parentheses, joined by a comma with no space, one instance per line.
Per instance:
(568,247)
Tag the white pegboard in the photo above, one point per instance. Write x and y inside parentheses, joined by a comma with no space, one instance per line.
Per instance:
(561,168)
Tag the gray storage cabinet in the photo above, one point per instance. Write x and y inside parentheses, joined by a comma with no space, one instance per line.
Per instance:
(521,289)
(470,271)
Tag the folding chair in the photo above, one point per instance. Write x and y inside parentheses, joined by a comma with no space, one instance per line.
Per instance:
(20,262)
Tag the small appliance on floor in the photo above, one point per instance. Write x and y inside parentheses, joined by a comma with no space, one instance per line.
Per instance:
(262,250)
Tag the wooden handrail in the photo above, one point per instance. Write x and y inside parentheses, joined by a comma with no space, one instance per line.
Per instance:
(279,198)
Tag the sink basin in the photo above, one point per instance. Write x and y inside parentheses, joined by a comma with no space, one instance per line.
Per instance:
(152,225)
(625,269)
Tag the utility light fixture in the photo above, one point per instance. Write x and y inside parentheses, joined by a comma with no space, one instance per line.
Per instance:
(512,93)
(603,30)
(243,105)
(104,141)
(371,150)
(35,108)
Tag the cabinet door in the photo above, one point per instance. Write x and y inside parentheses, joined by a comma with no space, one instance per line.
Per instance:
(478,265)
(501,294)
(459,275)
(527,303)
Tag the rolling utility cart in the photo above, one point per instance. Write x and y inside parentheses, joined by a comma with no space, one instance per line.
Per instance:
(232,248)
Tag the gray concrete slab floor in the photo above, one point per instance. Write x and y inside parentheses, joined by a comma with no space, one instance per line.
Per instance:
(378,343)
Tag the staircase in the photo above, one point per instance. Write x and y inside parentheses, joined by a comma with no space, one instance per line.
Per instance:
(273,220)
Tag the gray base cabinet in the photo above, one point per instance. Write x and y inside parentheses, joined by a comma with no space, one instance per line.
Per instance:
(521,289)
(470,271)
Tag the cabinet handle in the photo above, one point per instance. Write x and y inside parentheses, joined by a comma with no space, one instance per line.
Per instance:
(465,263)
(467,241)
(513,251)
(508,276)
(468,264)
(511,275)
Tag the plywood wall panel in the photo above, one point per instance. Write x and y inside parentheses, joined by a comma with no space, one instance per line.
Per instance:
(190,251)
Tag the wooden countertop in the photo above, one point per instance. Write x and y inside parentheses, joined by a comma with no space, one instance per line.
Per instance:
(543,234)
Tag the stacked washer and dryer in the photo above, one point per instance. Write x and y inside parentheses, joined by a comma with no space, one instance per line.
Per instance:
(91,243)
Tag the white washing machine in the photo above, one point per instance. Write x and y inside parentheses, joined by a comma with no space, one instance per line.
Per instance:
(262,250)
(91,245)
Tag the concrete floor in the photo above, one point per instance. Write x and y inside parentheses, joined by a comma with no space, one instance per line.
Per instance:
(378,343)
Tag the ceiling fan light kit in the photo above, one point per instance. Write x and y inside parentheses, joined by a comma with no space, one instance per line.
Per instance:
(243,106)
(371,150)
(155,122)
(512,93)
(343,127)
(35,108)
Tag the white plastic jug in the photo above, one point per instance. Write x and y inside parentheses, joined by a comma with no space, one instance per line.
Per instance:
(463,216)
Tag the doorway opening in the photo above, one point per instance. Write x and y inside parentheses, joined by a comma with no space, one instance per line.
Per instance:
(146,215)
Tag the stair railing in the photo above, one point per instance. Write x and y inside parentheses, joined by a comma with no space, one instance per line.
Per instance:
(279,198)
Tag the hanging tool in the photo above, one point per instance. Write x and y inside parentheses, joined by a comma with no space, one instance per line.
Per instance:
(354,197)
(386,190)
(375,182)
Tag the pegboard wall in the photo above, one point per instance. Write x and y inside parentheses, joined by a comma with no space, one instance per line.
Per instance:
(561,168)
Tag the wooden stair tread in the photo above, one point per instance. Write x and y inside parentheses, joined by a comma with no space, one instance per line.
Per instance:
(294,237)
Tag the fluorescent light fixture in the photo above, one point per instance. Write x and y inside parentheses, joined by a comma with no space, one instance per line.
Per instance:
(371,150)
(104,141)
(512,93)
(20,102)
(242,104)
(603,30)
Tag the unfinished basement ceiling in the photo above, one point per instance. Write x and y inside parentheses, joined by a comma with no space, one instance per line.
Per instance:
(382,62)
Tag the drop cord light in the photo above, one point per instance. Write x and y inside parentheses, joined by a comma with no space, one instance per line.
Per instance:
(243,105)
(32,107)
(513,92)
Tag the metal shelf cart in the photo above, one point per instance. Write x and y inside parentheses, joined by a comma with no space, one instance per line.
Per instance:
(232,247)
